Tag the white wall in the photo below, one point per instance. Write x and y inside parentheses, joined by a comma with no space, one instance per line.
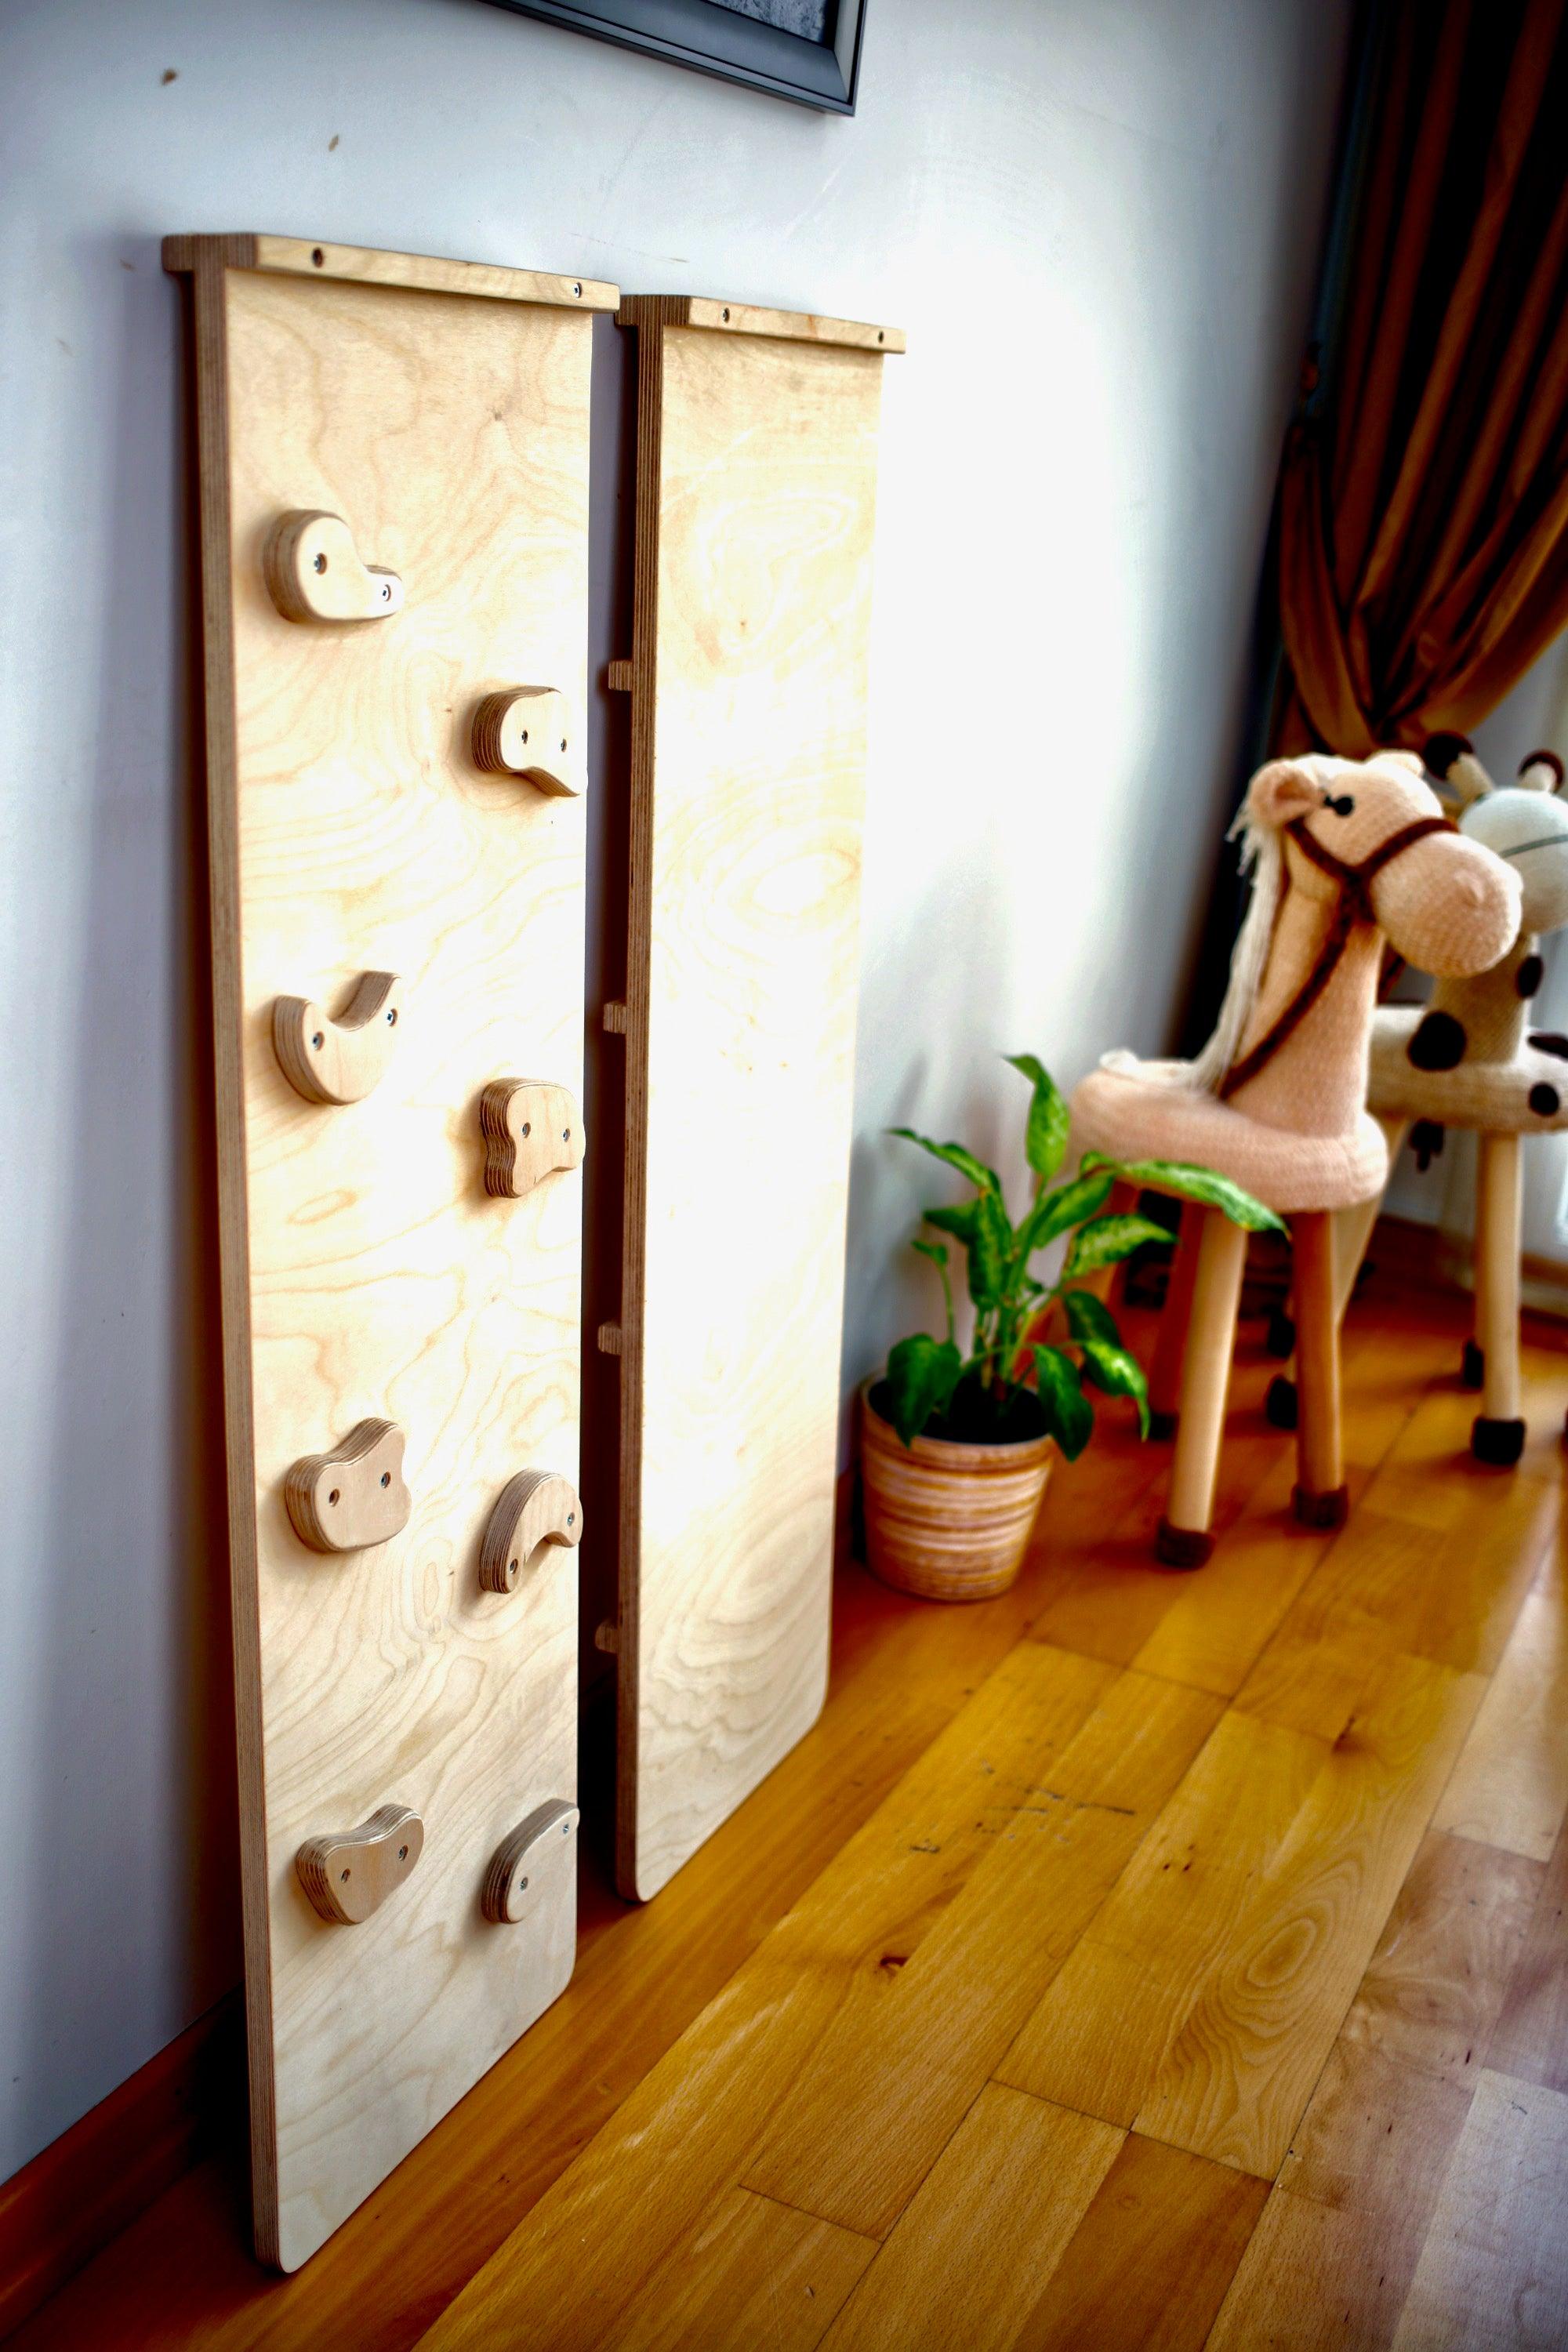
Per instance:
(1098,220)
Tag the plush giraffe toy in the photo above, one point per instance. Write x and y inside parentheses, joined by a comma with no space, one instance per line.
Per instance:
(1468,1060)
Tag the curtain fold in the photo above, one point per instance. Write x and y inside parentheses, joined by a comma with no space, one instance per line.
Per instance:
(1423,517)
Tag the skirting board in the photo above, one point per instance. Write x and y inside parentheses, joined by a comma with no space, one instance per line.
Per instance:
(373,1272)
(755,495)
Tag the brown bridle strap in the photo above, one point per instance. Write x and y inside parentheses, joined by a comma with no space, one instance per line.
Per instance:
(1353,907)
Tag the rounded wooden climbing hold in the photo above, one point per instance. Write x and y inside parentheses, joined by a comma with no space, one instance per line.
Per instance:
(529,730)
(339,1058)
(529,1129)
(314,572)
(349,1876)
(354,1495)
(530,1863)
(535,1507)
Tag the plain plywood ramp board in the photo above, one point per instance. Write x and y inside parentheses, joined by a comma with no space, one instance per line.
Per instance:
(441,412)
(755,494)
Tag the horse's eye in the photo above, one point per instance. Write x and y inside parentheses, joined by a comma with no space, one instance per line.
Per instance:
(1342,804)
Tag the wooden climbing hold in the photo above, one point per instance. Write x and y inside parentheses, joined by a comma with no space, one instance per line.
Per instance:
(314,573)
(339,1058)
(528,1866)
(349,1875)
(535,1507)
(527,730)
(353,1496)
(529,1128)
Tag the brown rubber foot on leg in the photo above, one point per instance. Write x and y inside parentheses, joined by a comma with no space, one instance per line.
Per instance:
(1182,1547)
(1330,1511)
(1162,1427)
(1501,1442)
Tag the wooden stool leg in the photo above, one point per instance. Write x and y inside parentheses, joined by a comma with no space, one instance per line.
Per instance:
(1171,1345)
(1497,1434)
(1320,1497)
(1183,1539)
(1353,1231)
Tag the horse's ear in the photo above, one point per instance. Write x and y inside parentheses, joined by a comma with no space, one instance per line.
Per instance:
(1541,771)
(1281,792)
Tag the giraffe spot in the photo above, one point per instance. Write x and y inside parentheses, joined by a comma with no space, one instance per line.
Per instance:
(1438,1043)
(1527,977)
(1545,1100)
(1550,1041)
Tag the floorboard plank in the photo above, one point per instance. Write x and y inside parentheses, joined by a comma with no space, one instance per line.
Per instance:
(1531,2038)
(919,2030)
(1241,2066)
(965,2267)
(1098,2038)
(1510,1784)
(1493,2271)
(1331,2260)
(756,2273)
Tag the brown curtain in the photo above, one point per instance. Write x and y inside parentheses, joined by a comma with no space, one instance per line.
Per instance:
(1423,511)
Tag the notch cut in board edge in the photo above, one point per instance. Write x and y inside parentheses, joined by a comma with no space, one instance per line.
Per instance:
(688,408)
(753,319)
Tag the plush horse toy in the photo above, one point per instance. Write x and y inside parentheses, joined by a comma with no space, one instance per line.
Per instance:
(1468,1060)
(1343,853)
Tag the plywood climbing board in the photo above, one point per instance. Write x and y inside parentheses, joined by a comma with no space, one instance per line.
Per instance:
(393,485)
(755,489)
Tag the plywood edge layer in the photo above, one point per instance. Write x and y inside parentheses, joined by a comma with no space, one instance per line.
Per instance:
(750,318)
(296,257)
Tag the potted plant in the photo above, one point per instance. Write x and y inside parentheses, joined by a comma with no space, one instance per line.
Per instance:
(955,1449)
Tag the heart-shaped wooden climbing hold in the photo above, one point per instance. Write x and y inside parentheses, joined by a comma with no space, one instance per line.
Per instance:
(529,1128)
(353,1496)
(527,730)
(537,1506)
(531,1866)
(314,573)
(349,1876)
(338,1058)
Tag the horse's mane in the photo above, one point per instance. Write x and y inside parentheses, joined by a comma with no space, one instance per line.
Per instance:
(1262,858)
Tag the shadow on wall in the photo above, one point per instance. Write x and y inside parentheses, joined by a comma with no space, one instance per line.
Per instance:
(131,1811)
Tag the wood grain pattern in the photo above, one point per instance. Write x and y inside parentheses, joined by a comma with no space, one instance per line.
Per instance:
(1530,2039)
(1242,2065)
(859,2125)
(352,1497)
(1331,2261)
(753,2273)
(1099,2039)
(995,2214)
(755,489)
(720,317)
(365,1269)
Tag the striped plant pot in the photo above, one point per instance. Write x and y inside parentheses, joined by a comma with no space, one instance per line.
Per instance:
(949,1522)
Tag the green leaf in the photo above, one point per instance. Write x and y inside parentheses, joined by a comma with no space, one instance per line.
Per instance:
(1070,1416)
(1192,1183)
(1046,1137)
(960,1221)
(1069,1204)
(1089,1317)
(990,1253)
(954,1155)
(1117,1371)
(1107,1240)
(922,1373)
(935,1251)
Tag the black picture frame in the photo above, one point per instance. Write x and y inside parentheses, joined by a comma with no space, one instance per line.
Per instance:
(716,40)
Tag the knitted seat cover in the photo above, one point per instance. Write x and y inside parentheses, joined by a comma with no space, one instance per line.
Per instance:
(1129,1116)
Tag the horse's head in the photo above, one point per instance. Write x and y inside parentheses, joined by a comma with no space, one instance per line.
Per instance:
(1444,901)
(1527,826)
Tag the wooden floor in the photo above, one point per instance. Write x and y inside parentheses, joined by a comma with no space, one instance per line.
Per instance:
(1139,1960)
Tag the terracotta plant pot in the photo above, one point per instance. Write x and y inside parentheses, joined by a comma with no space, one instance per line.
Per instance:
(950,1522)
